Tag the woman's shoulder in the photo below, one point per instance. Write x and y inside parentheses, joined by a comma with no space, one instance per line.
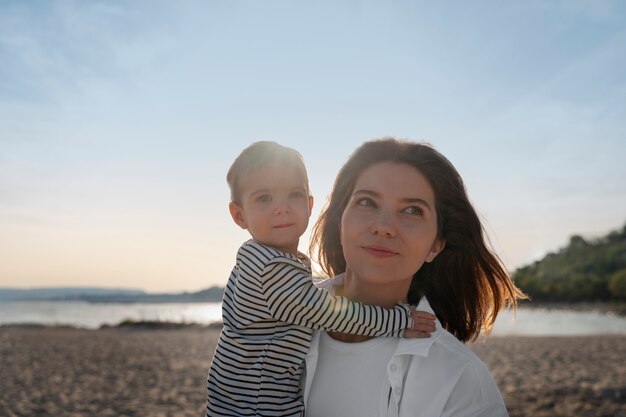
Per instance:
(447,342)
(469,383)
(473,375)
(447,348)
(460,351)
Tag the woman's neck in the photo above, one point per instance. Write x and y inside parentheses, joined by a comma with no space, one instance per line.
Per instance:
(387,295)
(384,294)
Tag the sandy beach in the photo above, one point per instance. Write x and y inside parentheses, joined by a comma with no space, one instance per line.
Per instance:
(122,372)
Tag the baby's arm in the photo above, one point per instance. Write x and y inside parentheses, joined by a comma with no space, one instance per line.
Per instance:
(292,297)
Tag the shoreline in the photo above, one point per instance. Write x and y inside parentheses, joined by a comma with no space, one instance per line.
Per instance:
(617,310)
(600,307)
(174,327)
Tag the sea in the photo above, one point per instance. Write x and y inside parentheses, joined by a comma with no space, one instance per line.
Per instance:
(527,321)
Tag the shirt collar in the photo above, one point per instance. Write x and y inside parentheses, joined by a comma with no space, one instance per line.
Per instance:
(414,346)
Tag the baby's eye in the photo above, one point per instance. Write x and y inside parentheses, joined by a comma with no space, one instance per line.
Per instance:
(414,210)
(264,198)
(296,194)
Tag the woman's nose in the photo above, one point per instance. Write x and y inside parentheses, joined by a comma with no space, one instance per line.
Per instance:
(383,224)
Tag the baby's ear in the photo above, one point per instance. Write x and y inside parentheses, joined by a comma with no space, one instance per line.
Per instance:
(311,201)
(238,215)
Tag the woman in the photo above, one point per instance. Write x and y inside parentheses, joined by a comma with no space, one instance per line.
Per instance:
(399,227)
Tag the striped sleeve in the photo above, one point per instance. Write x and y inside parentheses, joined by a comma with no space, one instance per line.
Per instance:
(291,296)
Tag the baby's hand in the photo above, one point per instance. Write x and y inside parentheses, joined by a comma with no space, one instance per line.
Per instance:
(423,325)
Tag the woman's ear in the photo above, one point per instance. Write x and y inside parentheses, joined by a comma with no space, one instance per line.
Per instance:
(437,247)
(238,215)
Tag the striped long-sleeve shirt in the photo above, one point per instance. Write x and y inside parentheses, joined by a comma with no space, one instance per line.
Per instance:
(270,309)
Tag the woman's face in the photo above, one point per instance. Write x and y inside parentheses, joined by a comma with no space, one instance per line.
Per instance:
(389,227)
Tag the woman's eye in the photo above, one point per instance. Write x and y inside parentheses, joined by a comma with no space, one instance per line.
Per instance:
(365,202)
(414,210)
(264,198)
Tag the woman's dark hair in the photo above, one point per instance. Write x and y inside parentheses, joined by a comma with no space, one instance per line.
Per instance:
(466,284)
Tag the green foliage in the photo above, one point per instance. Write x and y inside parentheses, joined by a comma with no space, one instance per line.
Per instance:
(617,284)
(582,271)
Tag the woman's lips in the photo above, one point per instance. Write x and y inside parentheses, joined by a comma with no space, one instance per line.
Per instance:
(380,251)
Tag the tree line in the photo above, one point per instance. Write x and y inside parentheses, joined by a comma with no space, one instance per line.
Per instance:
(584,270)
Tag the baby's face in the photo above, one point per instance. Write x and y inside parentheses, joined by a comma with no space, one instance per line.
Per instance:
(275,206)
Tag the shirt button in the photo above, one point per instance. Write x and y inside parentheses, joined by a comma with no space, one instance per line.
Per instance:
(398,391)
(393,368)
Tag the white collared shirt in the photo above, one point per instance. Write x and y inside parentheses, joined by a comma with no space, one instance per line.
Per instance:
(437,376)
(336,362)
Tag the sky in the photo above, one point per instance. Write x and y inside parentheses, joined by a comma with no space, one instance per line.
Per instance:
(119,121)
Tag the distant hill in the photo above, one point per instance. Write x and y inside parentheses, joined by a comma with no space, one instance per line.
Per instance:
(109,295)
(213,294)
(584,270)
(63,292)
